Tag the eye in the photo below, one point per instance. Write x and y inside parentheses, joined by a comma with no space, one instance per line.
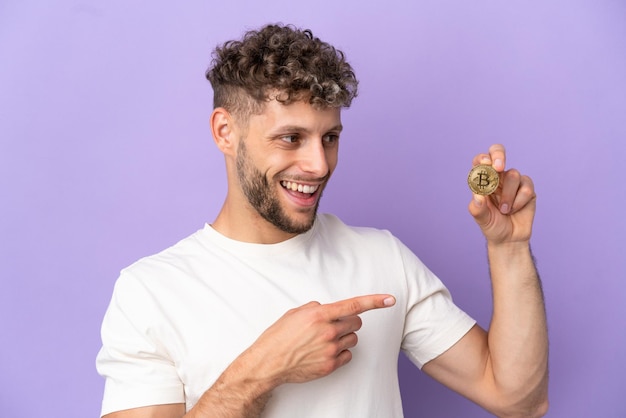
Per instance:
(291,139)
(330,139)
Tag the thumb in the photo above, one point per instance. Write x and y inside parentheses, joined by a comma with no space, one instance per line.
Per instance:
(479,209)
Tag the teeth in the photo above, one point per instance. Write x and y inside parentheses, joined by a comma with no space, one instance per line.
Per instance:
(302,188)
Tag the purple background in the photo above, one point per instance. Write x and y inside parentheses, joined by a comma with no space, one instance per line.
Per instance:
(106,156)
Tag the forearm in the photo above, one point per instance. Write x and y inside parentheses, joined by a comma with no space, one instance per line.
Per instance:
(237,393)
(518,338)
(306,343)
(222,402)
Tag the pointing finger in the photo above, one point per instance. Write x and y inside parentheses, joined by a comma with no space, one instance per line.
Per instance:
(358,305)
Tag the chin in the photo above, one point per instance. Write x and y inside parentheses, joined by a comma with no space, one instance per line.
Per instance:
(296,225)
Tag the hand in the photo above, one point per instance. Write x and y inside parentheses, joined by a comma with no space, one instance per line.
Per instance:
(505,216)
(313,340)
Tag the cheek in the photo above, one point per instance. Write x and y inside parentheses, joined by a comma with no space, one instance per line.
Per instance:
(332,157)
(274,165)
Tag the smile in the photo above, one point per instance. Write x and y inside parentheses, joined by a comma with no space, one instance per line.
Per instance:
(296,187)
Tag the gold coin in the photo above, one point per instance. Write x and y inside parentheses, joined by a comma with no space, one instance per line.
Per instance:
(483,179)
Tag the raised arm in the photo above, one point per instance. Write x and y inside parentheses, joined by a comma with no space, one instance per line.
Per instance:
(505,370)
(306,343)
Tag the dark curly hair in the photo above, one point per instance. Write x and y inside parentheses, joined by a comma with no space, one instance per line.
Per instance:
(283,63)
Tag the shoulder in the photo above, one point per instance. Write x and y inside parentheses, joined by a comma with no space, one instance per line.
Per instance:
(362,241)
(331,225)
(379,244)
(335,231)
(162,271)
(176,257)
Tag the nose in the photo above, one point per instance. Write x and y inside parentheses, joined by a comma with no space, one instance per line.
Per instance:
(314,159)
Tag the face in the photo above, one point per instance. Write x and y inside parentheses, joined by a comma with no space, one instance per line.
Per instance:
(285,160)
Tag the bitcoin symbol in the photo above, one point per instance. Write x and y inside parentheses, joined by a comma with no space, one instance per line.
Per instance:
(483,179)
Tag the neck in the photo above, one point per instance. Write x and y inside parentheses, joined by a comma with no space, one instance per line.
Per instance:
(249,227)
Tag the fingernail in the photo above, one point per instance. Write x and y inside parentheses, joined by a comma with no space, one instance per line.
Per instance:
(478,201)
(498,164)
(390,301)
(504,208)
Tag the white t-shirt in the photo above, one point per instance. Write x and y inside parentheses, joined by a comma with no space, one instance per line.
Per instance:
(177,319)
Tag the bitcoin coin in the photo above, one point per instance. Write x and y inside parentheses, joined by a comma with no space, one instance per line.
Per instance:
(483,179)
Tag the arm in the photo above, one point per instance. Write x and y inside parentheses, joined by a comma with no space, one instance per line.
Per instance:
(306,343)
(504,370)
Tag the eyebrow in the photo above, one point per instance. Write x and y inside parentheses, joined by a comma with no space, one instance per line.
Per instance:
(297,128)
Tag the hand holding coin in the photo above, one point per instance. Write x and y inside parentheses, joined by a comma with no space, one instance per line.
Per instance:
(504,200)
(483,179)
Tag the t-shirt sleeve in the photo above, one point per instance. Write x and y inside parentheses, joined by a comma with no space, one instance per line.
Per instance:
(433,322)
(136,366)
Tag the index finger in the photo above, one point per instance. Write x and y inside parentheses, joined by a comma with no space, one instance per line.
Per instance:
(495,158)
(358,305)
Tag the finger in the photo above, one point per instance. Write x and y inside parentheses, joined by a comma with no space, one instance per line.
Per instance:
(496,157)
(348,341)
(525,193)
(510,186)
(479,209)
(345,343)
(497,154)
(347,325)
(484,159)
(343,358)
(358,305)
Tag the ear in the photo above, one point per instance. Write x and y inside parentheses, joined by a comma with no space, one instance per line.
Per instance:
(224,131)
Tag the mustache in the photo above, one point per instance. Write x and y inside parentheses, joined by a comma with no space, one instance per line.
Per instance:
(304,179)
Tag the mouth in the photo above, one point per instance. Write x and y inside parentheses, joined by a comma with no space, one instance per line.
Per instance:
(305,189)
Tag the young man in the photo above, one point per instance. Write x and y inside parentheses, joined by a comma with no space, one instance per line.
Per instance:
(256,315)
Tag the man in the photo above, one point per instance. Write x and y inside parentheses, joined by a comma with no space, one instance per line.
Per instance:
(256,315)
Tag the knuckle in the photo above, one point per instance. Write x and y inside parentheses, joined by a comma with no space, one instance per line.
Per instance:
(354,307)
(309,305)
(329,334)
(528,181)
(514,174)
(292,311)
(331,351)
(329,366)
(318,315)
(526,192)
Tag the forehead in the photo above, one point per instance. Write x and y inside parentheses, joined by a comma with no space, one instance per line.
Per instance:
(297,114)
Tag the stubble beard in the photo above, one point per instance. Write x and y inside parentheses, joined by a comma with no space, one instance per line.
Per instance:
(263,196)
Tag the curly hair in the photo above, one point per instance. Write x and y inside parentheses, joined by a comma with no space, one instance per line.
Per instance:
(282,63)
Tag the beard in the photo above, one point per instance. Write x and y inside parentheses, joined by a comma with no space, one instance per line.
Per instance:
(263,196)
